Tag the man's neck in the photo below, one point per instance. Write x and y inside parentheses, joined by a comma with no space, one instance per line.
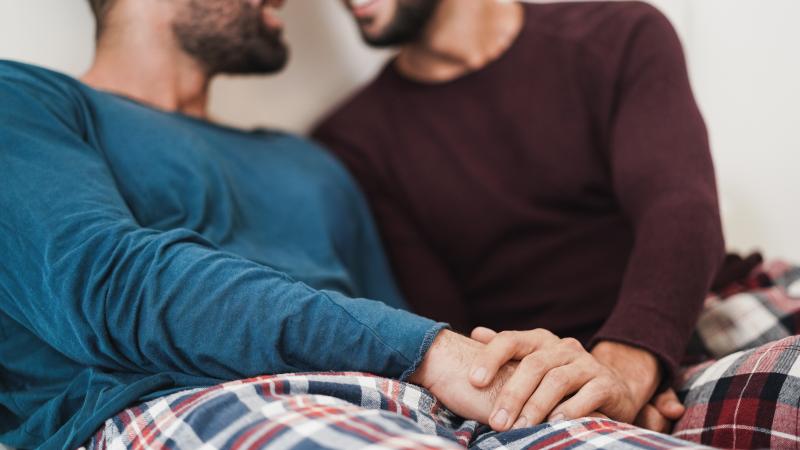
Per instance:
(463,36)
(150,68)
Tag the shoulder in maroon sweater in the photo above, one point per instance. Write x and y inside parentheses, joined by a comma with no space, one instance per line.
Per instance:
(567,185)
(597,29)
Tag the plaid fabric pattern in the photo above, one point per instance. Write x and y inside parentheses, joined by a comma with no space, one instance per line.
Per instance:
(749,399)
(341,411)
(748,319)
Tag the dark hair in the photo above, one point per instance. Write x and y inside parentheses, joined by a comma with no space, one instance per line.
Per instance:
(100,9)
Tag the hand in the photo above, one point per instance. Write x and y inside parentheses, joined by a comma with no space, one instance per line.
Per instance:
(550,370)
(444,371)
(660,414)
(638,368)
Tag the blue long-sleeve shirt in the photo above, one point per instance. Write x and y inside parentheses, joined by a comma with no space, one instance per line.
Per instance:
(143,252)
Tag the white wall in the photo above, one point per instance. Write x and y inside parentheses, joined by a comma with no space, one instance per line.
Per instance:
(744,59)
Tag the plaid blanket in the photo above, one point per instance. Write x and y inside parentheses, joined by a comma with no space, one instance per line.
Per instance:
(742,320)
(749,398)
(340,411)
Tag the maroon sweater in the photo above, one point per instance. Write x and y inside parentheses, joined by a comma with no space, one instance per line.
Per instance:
(567,185)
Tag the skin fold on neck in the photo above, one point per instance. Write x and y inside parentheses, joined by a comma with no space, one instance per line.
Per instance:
(463,36)
(139,58)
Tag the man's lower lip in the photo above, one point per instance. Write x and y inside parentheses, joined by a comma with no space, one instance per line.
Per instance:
(365,10)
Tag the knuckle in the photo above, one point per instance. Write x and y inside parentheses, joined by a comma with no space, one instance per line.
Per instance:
(543,333)
(566,355)
(531,359)
(532,365)
(507,336)
(572,344)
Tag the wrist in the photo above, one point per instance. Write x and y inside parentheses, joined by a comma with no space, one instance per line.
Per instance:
(429,371)
(449,354)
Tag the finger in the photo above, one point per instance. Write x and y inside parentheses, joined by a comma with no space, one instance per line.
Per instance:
(597,415)
(650,418)
(668,405)
(483,334)
(506,346)
(560,382)
(588,399)
(517,390)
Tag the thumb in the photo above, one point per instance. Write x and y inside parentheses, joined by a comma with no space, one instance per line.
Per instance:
(668,405)
(483,335)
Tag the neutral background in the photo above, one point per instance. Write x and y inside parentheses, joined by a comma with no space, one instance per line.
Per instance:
(744,59)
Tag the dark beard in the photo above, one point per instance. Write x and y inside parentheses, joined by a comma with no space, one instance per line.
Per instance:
(229,36)
(409,21)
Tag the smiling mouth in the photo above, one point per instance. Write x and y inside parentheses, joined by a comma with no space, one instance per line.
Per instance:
(269,13)
(363,8)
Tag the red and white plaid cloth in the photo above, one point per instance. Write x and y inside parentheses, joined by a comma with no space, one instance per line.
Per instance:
(742,320)
(748,399)
(346,411)
(750,396)
(745,400)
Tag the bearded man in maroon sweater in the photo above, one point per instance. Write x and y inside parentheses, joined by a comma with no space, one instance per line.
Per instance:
(540,166)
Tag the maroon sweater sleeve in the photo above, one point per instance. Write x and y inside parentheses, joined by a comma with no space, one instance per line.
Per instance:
(664,180)
(413,258)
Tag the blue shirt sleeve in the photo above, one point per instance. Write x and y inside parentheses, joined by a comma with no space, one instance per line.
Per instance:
(80,273)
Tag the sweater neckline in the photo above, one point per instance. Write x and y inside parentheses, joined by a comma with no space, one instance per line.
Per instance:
(393,72)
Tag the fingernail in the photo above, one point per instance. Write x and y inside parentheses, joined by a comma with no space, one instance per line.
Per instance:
(558,417)
(479,374)
(522,422)
(500,418)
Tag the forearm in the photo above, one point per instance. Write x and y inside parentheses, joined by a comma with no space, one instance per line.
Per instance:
(678,250)
(664,182)
(153,302)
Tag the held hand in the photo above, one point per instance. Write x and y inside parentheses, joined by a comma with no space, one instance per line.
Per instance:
(660,414)
(445,371)
(640,369)
(550,370)
(637,367)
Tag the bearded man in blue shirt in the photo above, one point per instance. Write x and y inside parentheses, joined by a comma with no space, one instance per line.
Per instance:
(147,251)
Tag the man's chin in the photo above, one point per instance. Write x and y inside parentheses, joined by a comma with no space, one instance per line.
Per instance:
(382,41)
(385,36)
(277,66)
(258,60)
(252,68)
(264,67)
(377,39)
(277,61)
